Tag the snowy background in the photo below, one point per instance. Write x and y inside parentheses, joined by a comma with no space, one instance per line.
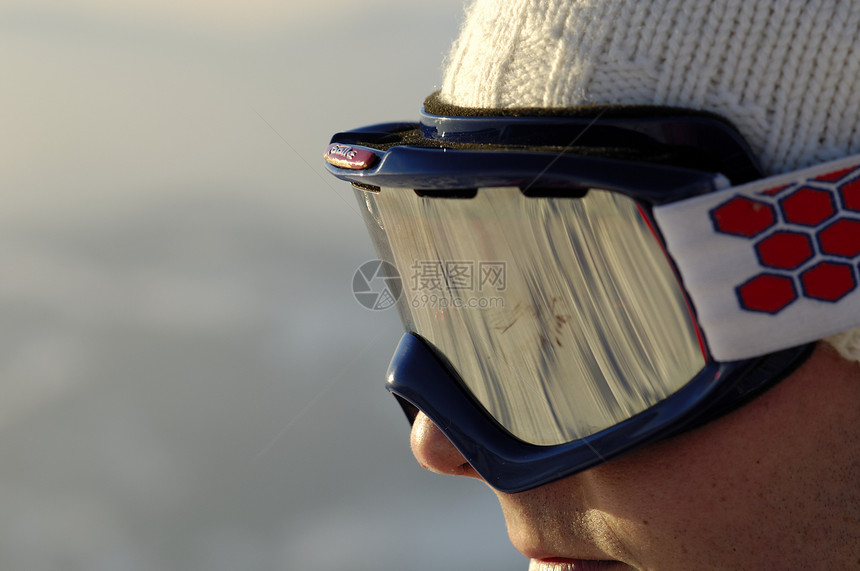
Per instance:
(186,382)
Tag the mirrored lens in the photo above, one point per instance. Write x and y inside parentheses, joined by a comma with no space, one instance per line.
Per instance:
(562,316)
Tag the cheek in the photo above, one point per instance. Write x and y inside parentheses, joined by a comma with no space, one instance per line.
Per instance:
(771,485)
(713,494)
(676,504)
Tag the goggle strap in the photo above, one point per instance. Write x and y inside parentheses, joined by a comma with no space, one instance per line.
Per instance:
(771,264)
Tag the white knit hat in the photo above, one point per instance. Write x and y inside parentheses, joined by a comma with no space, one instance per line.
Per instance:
(786,73)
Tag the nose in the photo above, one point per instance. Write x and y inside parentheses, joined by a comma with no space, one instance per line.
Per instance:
(435,452)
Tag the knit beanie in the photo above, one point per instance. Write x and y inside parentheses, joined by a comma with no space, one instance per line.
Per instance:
(786,73)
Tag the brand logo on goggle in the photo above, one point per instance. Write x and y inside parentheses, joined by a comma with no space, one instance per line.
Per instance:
(806,238)
(346,157)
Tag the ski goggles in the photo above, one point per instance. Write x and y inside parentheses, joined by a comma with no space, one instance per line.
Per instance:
(575,284)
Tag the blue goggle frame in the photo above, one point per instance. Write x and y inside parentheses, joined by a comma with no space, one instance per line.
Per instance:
(556,154)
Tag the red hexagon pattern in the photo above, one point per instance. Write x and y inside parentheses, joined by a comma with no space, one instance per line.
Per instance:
(767,292)
(807,240)
(828,281)
(807,206)
(785,250)
(842,238)
(850,193)
(742,216)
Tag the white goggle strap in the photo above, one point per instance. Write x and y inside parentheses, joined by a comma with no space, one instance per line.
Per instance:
(771,264)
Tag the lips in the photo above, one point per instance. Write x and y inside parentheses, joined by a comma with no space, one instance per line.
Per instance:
(561,564)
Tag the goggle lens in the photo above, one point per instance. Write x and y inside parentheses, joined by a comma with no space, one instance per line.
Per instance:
(572,316)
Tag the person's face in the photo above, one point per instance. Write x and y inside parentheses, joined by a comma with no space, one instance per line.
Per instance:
(772,485)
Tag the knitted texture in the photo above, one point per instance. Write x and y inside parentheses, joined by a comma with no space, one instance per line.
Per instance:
(786,73)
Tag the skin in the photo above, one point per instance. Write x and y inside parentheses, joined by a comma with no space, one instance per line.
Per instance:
(772,485)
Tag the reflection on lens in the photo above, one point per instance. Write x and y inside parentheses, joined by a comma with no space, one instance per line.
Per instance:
(588,325)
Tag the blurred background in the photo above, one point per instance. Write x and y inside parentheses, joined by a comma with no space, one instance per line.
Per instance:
(186,382)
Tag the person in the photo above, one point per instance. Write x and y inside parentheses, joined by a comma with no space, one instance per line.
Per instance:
(768,478)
